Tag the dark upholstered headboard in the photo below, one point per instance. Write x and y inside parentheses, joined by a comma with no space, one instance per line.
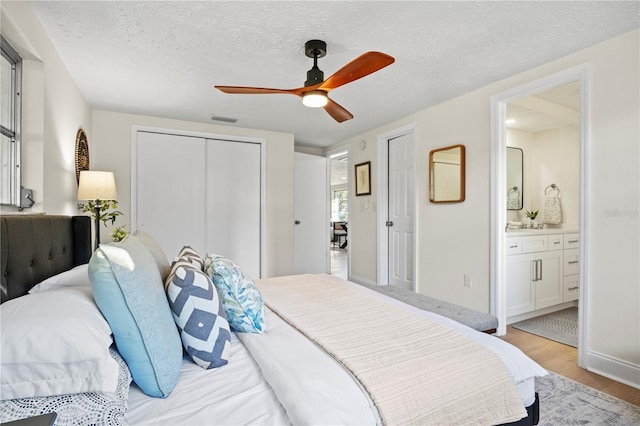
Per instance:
(33,248)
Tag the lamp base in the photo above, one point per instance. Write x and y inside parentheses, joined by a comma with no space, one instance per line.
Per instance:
(97,227)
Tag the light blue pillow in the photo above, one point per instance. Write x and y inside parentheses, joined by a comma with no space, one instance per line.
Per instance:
(198,313)
(129,292)
(240,297)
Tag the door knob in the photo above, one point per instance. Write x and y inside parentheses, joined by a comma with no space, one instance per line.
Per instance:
(297,222)
(389,223)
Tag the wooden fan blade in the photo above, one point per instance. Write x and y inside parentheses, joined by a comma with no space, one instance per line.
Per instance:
(362,66)
(337,112)
(256,90)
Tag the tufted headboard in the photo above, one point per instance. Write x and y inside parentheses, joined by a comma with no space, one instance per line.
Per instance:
(33,248)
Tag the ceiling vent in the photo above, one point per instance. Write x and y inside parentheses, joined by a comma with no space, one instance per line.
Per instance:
(214,117)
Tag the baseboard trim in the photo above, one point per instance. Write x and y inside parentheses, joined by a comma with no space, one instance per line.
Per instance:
(360,280)
(614,368)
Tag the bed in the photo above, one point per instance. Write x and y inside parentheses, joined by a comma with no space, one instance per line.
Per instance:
(324,351)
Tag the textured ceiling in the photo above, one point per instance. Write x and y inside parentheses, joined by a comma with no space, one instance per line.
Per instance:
(551,109)
(162,58)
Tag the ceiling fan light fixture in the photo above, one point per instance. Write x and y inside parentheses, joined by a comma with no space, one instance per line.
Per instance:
(315,98)
(315,91)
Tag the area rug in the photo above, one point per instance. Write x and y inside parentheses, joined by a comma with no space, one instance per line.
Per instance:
(566,402)
(561,326)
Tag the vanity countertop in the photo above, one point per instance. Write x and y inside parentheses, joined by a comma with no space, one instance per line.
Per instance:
(545,231)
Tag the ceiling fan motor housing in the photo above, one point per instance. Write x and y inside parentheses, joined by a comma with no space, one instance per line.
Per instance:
(315,49)
(314,76)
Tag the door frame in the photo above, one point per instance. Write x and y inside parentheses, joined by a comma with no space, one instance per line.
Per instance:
(232,138)
(499,196)
(382,191)
(328,155)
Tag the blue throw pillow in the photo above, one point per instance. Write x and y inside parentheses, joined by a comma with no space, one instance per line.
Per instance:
(199,315)
(240,297)
(129,292)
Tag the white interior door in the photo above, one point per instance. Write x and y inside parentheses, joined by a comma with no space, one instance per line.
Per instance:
(170,202)
(311,214)
(232,225)
(401,208)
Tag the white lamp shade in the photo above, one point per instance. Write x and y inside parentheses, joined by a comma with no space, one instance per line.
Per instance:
(96,185)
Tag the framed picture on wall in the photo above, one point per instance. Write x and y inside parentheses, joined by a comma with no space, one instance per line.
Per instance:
(363,178)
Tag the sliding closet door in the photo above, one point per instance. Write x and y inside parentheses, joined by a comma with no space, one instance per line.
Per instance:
(170,202)
(233,202)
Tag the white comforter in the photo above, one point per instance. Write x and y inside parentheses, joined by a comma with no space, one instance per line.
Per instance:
(281,377)
(235,394)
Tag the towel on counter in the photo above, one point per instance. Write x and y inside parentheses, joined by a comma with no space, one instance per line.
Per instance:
(552,212)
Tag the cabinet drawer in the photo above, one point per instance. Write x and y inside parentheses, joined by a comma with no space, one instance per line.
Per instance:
(571,241)
(535,243)
(571,261)
(556,242)
(571,288)
(514,245)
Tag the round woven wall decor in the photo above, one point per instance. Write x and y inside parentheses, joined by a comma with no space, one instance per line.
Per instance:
(82,153)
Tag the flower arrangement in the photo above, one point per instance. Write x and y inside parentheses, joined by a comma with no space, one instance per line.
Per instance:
(105,214)
(118,233)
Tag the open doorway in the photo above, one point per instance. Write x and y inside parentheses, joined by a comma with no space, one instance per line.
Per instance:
(537,259)
(339,213)
(543,130)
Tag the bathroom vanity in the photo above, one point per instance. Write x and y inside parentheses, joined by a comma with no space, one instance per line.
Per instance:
(542,271)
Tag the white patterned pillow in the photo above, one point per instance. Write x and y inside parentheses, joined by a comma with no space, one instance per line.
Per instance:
(199,315)
(241,298)
(103,408)
(55,342)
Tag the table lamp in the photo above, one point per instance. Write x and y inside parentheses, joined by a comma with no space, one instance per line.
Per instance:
(97,187)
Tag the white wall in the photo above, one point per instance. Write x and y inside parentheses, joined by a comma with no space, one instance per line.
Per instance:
(53,111)
(112,152)
(550,156)
(454,239)
(556,159)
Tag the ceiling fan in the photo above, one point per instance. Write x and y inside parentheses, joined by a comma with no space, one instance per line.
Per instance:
(315,91)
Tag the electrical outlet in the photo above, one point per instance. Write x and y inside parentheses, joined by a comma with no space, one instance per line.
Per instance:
(467,280)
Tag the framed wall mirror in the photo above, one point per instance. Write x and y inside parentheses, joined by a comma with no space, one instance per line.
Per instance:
(515,182)
(447,174)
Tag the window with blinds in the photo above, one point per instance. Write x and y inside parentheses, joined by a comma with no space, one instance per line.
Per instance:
(10,118)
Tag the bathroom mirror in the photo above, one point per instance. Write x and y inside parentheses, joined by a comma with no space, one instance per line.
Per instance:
(514,178)
(446,174)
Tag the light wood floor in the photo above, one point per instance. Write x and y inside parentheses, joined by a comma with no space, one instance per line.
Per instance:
(339,262)
(563,360)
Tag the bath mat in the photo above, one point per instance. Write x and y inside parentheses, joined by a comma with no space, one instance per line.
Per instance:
(560,326)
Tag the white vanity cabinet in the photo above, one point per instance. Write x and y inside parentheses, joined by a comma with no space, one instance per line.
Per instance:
(571,267)
(534,273)
(542,271)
